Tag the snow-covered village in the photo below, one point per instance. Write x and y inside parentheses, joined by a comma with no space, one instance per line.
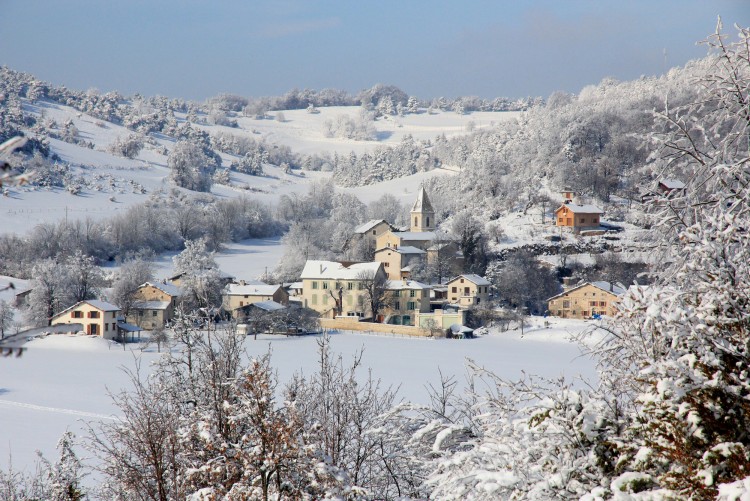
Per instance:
(518,270)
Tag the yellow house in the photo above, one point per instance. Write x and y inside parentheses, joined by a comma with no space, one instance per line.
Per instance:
(397,260)
(468,290)
(371,230)
(154,305)
(98,318)
(578,216)
(586,300)
(238,295)
(324,281)
(405,298)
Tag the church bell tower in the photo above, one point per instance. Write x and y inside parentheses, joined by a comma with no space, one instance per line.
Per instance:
(422,213)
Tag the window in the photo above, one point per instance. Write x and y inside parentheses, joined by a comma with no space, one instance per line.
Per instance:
(77,314)
(467,291)
(397,293)
(140,313)
(566,304)
(338,285)
(325,285)
(453,289)
(360,286)
(560,220)
(412,293)
(428,220)
(411,305)
(595,220)
(585,313)
(373,232)
(462,280)
(349,286)
(602,303)
(245,296)
(583,220)
(242,303)
(106,327)
(593,303)
(415,221)
(385,265)
(154,313)
(397,305)
(93,314)
(315,285)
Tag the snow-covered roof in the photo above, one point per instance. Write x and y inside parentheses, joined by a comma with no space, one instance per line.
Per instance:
(151,305)
(170,289)
(251,290)
(672,184)
(475,279)
(96,303)
(582,209)
(605,286)
(405,284)
(101,305)
(403,249)
(364,228)
(415,235)
(609,287)
(334,270)
(295,285)
(266,305)
(422,203)
(128,327)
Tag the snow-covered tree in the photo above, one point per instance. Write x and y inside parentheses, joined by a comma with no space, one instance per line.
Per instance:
(190,167)
(49,292)
(201,280)
(6,317)
(131,275)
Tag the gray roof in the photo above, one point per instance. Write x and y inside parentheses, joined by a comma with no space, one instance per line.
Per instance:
(617,290)
(403,249)
(422,203)
(266,305)
(405,285)
(170,289)
(251,290)
(475,279)
(415,235)
(364,228)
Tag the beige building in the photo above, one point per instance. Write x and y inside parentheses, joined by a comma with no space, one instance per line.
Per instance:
(468,290)
(586,300)
(236,296)
(405,298)
(421,230)
(397,261)
(98,318)
(370,231)
(578,216)
(323,282)
(155,305)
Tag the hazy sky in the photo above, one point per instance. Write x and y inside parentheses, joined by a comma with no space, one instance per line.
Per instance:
(429,48)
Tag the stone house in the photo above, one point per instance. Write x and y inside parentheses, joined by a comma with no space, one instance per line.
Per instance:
(155,305)
(468,290)
(397,260)
(586,300)
(236,296)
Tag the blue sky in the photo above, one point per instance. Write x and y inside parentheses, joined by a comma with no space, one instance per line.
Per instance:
(199,48)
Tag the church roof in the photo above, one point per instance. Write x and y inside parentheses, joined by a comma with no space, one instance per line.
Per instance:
(422,203)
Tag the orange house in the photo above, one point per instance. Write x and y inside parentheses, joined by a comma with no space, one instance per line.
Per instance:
(578,216)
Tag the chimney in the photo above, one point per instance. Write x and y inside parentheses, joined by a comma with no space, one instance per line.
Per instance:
(242,282)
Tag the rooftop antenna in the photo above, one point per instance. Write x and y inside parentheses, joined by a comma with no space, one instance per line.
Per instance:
(664,51)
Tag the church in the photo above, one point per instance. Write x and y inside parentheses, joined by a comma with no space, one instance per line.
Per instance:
(399,251)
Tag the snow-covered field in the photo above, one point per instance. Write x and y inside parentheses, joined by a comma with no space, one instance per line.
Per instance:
(62,382)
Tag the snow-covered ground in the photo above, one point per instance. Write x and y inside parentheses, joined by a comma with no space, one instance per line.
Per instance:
(61,382)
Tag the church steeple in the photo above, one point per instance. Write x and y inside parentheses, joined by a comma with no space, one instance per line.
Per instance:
(422,213)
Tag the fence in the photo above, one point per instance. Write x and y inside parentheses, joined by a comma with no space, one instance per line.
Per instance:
(353,325)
